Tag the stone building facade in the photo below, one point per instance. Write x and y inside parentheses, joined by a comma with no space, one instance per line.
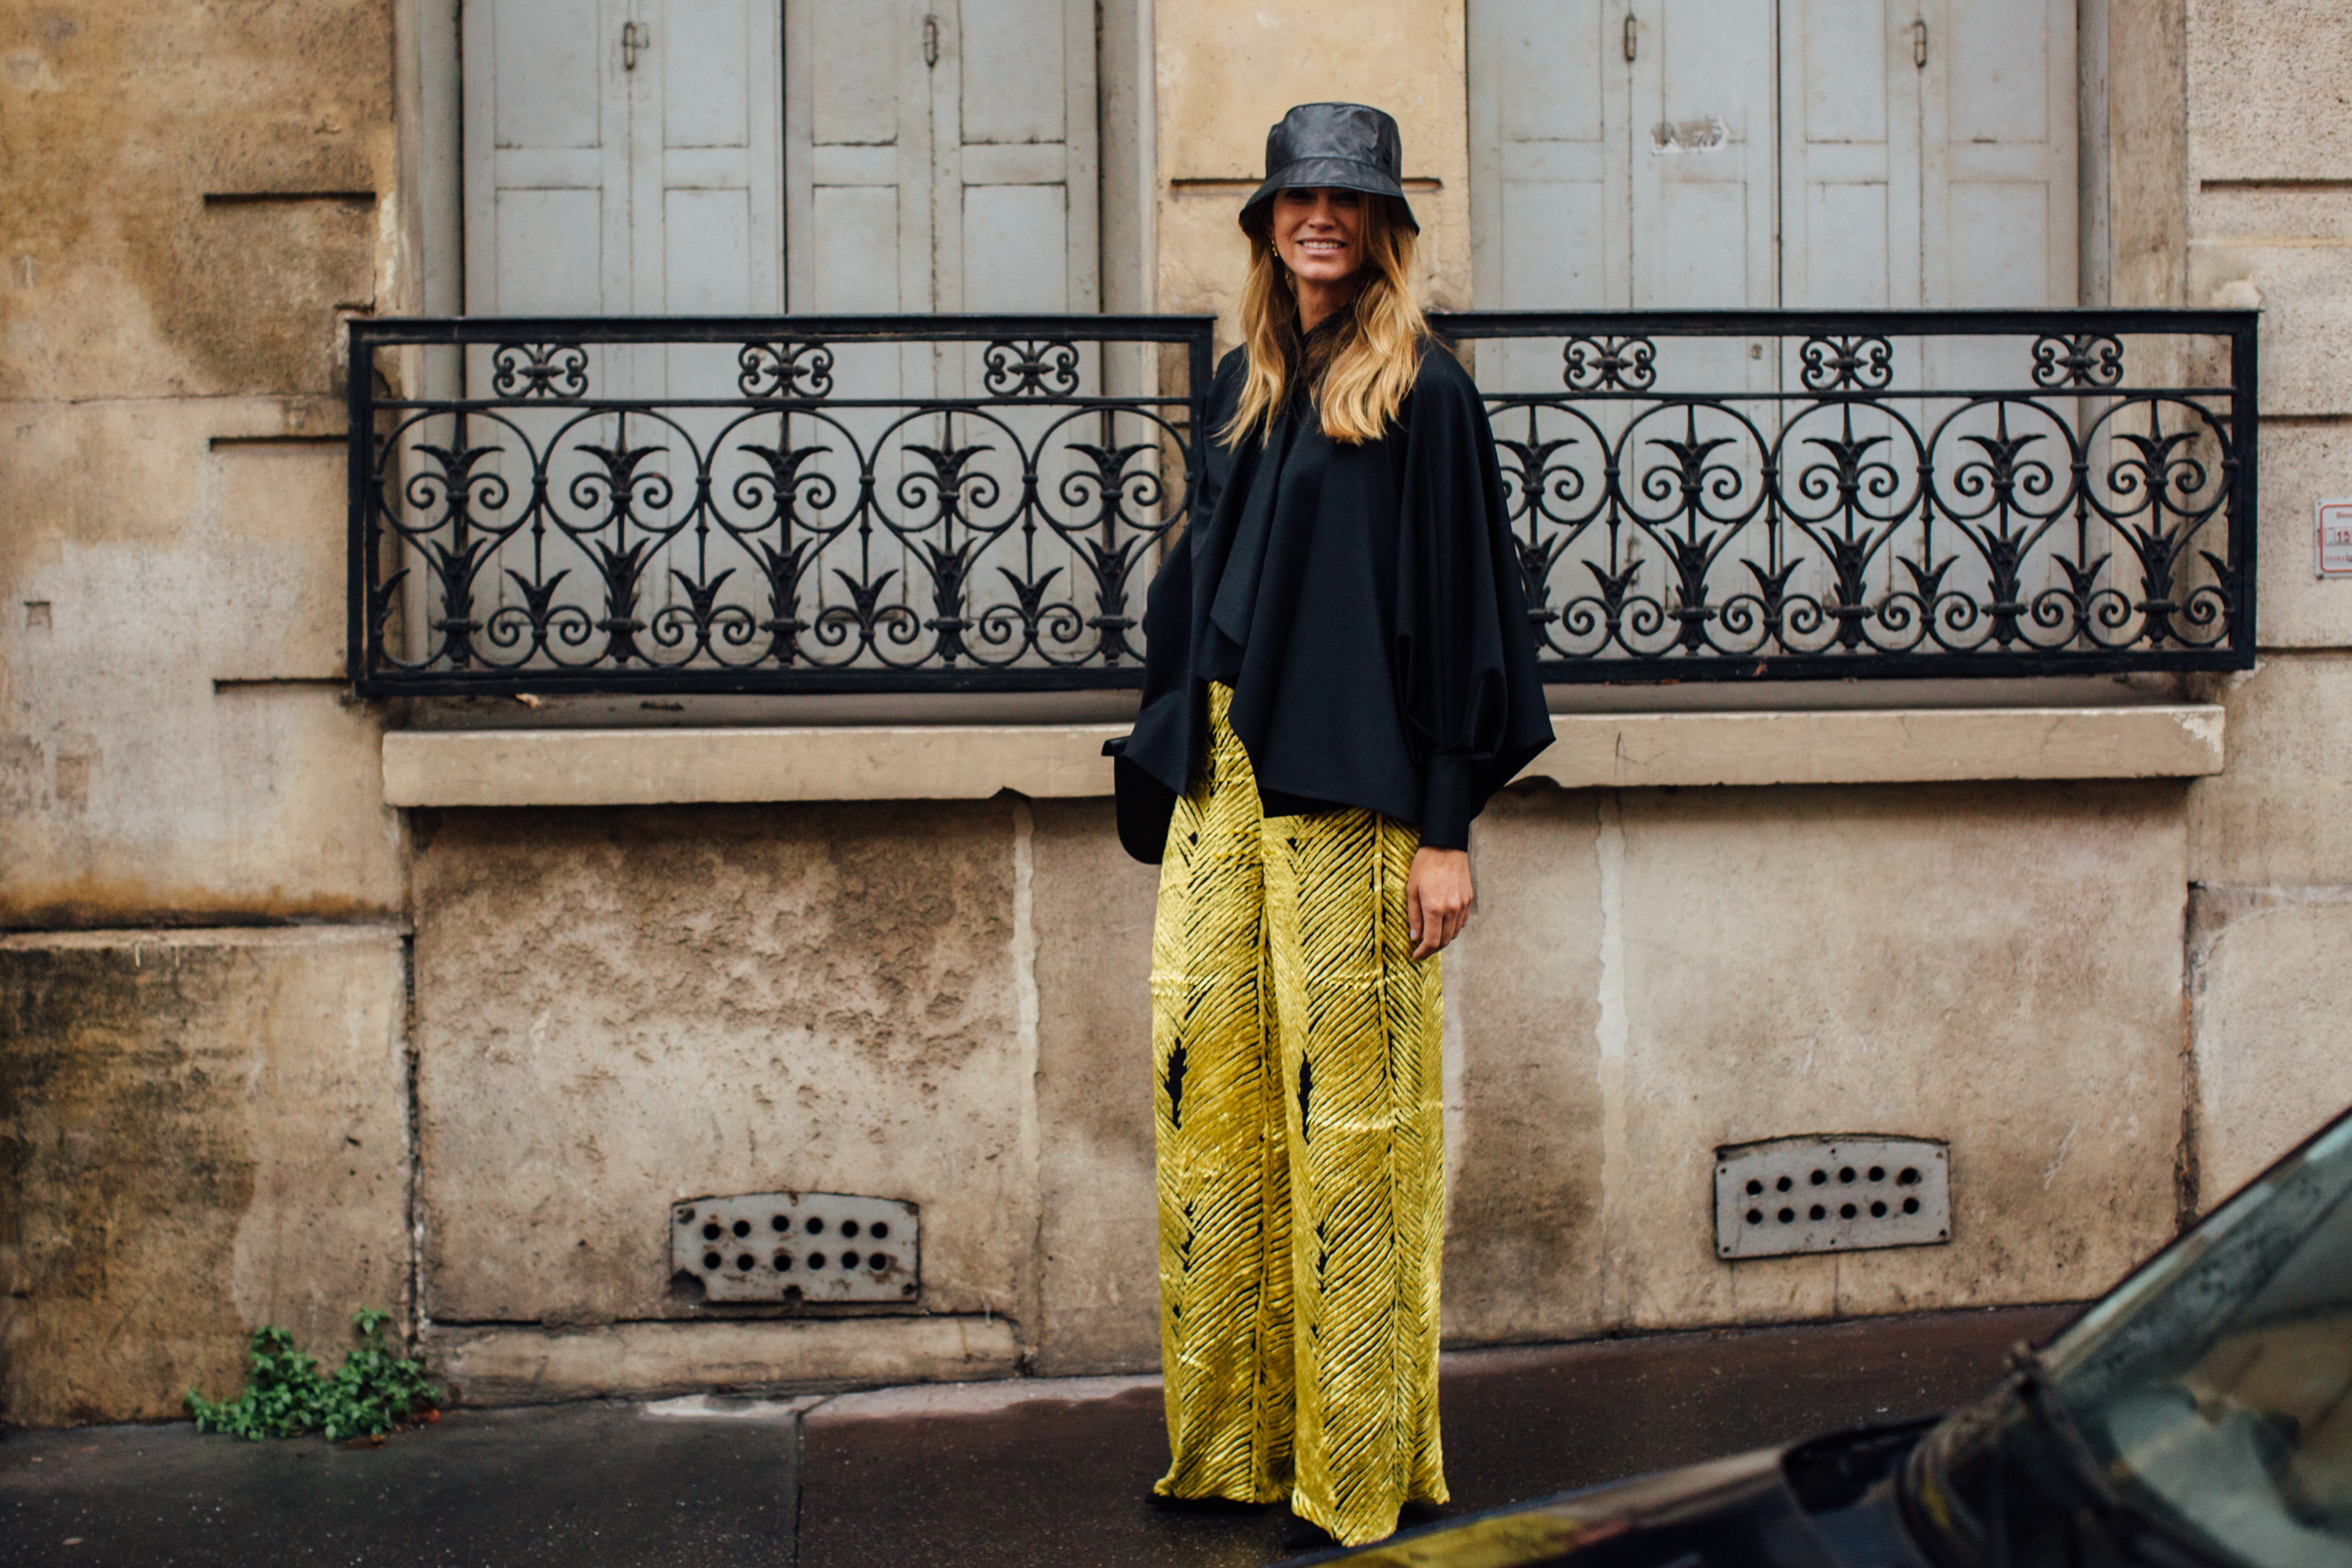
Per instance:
(258,933)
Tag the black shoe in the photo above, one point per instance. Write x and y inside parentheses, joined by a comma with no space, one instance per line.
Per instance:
(1202,1504)
(1306,1535)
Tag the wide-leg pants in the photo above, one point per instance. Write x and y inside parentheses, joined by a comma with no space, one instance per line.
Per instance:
(1301,1158)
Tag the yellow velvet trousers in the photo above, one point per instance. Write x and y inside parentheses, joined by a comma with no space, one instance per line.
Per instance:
(1301,1168)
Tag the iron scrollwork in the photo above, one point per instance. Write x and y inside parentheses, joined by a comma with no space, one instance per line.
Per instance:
(2078,359)
(786,368)
(1973,493)
(967,503)
(1609,364)
(1031,370)
(773,509)
(539,370)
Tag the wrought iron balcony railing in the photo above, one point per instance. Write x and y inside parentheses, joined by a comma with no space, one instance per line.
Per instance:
(826,504)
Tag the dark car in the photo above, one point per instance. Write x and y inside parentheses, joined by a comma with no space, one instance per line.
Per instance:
(2198,1417)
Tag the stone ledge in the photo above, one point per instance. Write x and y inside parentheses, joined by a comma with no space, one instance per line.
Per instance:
(517,1364)
(1630,750)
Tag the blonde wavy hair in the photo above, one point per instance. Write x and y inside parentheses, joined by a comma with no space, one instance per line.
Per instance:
(1377,357)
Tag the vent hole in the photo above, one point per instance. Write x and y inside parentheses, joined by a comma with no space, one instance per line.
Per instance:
(1784,1185)
(1788,1216)
(1878,1211)
(1908,1177)
(711,1231)
(784,1262)
(781,1222)
(742,1228)
(1755,1216)
(1846,1175)
(816,1260)
(1817,1212)
(1910,1206)
(710,1260)
(849,1228)
(1754,1186)
(746,1263)
(879,1229)
(1878,1173)
(815,1226)
(1846,1211)
(1820,1176)
(849,1260)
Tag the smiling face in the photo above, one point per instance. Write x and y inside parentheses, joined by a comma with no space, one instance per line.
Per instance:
(1319,234)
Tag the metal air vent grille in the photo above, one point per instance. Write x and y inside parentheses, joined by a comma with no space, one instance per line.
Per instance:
(817,1247)
(1823,1193)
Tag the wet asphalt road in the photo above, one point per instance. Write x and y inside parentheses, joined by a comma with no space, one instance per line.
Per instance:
(983,1475)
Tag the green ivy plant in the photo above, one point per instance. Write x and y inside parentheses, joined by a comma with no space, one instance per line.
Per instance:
(368,1395)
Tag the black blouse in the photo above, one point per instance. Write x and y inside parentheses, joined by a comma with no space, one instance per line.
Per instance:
(1363,601)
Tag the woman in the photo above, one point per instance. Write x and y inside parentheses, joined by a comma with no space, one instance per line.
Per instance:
(1339,673)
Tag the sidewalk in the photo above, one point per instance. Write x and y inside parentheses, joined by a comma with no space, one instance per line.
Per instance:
(1023,1472)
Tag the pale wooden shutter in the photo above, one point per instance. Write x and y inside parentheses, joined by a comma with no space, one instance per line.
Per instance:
(547,158)
(1997,153)
(1850,171)
(1704,156)
(1016,180)
(607,180)
(707,183)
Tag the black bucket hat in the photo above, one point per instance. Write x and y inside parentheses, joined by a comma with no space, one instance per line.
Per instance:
(1350,146)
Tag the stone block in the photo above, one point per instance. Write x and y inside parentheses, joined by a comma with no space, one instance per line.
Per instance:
(616,1009)
(2304,292)
(125,281)
(511,1365)
(202,1132)
(1524,1001)
(2265,84)
(1998,966)
(2301,465)
(1092,911)
(1226,70)
(2281,813)
(2270,995)
(173,746)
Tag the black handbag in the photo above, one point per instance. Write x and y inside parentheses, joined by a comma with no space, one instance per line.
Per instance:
(1146,805)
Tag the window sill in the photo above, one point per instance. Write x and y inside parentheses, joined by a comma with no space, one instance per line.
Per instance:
(1632,750)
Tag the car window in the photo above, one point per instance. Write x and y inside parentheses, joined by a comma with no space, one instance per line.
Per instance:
(2216,1390)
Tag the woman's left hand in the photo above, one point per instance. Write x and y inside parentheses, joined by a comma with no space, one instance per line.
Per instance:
(1438,897)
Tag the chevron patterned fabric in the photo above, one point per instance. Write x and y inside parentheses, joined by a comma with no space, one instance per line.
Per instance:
(1301,1172)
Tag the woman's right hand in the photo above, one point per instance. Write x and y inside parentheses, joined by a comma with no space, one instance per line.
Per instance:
(1438,899)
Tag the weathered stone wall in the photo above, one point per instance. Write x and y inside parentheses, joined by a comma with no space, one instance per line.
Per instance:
(2270,224)
(946,1003)
(201,1131)
(173,745)
(206,1129)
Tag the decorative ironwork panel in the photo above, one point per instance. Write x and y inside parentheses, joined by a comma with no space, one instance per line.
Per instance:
(815,504)
(806,504)
(1738,495)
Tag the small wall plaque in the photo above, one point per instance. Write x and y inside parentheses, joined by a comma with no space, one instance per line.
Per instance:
(2332,539)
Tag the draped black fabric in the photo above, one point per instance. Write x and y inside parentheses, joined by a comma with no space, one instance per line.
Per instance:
(1364,603)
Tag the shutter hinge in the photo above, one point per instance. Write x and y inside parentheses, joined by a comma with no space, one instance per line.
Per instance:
(1632,34)
(1919,44)
(930,41)
(635,37)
